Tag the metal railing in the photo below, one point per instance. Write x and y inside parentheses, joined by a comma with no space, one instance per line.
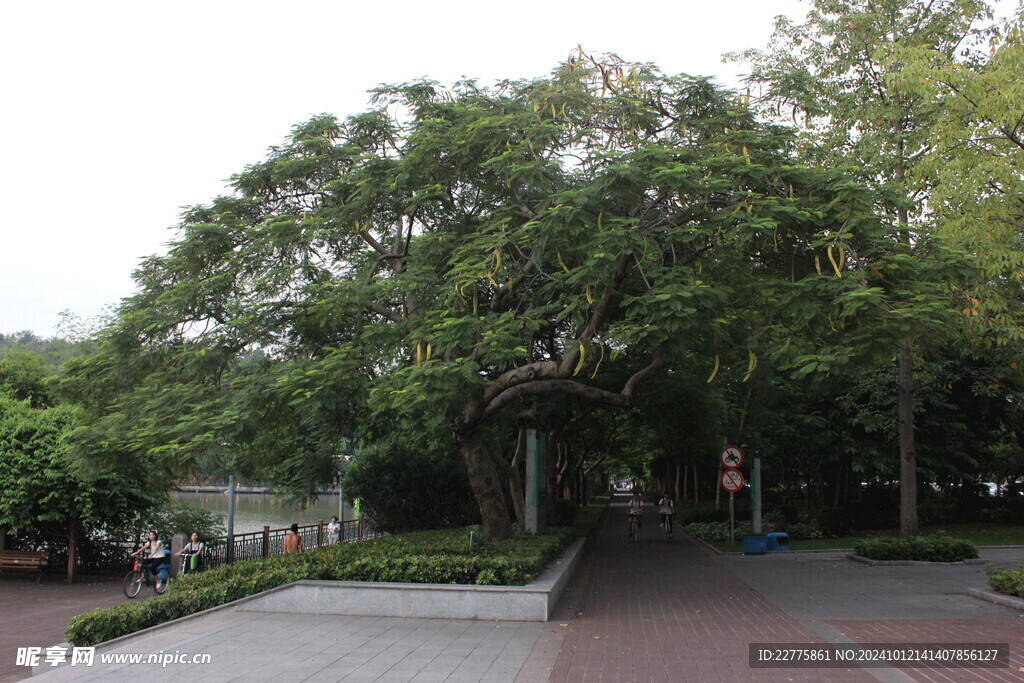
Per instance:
(256,544)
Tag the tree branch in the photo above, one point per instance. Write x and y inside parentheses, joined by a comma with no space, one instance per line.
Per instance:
(555,386)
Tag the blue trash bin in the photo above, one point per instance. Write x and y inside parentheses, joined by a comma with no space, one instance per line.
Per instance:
(778,540)
(755,544)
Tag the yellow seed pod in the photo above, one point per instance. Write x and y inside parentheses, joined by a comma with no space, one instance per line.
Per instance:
(583,359)
(714,371)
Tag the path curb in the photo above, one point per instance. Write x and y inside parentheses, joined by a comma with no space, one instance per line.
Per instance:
(997,598)
(909,563)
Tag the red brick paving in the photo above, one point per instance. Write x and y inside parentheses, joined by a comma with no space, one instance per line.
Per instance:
(35,615)
(657,611)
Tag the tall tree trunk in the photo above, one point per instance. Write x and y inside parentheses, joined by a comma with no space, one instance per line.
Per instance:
(72,547)
(908,449)
(483,478)
(515,481)
(905,410)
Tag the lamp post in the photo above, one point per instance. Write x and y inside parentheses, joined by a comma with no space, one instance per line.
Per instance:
(229,555)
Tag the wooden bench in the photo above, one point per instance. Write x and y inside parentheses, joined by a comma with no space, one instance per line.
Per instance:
(32,560)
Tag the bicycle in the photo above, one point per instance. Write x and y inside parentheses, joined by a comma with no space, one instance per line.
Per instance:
(143,573)
(634,528)
(188,566)
(666,526)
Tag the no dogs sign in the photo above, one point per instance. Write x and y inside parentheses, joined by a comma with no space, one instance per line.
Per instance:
(732,480)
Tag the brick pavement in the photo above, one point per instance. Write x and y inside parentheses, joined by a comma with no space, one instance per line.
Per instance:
(35,615)
(672,611)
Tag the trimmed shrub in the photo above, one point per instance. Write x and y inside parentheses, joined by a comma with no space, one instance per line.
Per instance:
(938,548)
(707,511)
(1006,581)
(715,531)
(805,530)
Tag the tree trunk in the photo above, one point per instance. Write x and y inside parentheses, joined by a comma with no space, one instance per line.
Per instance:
(515,481)
(696,489)
(686,482)
(908,450)
(483,478)
(72,547)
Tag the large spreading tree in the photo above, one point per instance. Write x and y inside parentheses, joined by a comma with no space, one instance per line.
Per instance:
(459,253)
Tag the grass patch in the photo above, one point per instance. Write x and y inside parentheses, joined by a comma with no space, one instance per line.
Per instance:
(443,556)
(977,534)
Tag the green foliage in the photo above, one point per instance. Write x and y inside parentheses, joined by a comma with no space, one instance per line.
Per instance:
(23,376)
(716,531)
(39,482)
(1006,581)
(425,557)
(937,548)
(403,487)
(167,519)
(805,530)
(563,512)
(973,162)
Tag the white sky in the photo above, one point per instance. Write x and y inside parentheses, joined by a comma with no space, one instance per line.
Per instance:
(117,114)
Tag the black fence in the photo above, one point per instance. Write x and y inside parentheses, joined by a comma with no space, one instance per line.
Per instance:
(252,545)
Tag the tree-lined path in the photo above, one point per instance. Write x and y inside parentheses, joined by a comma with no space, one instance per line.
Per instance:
(657,611)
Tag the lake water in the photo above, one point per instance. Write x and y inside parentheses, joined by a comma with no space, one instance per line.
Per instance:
(253,510)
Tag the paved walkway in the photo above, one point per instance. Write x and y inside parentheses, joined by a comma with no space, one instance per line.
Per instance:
(646,611)
(34,614)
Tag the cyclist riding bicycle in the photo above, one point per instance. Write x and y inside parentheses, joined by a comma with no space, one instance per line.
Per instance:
(665,508)
(634,512)
(154,552)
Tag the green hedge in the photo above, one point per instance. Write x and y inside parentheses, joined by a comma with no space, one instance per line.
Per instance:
(1006,581)
(938,548)
(424,557)
(716,531)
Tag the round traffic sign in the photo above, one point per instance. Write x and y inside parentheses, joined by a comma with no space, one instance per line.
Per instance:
(732,480)
(732,457)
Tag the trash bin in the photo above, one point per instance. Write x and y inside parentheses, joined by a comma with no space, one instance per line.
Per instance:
(778,540)
(755,544)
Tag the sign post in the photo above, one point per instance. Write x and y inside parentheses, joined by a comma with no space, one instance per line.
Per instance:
(755,496)
(536,480)
(732,481)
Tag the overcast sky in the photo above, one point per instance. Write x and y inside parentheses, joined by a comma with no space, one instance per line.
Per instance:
(118,114)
